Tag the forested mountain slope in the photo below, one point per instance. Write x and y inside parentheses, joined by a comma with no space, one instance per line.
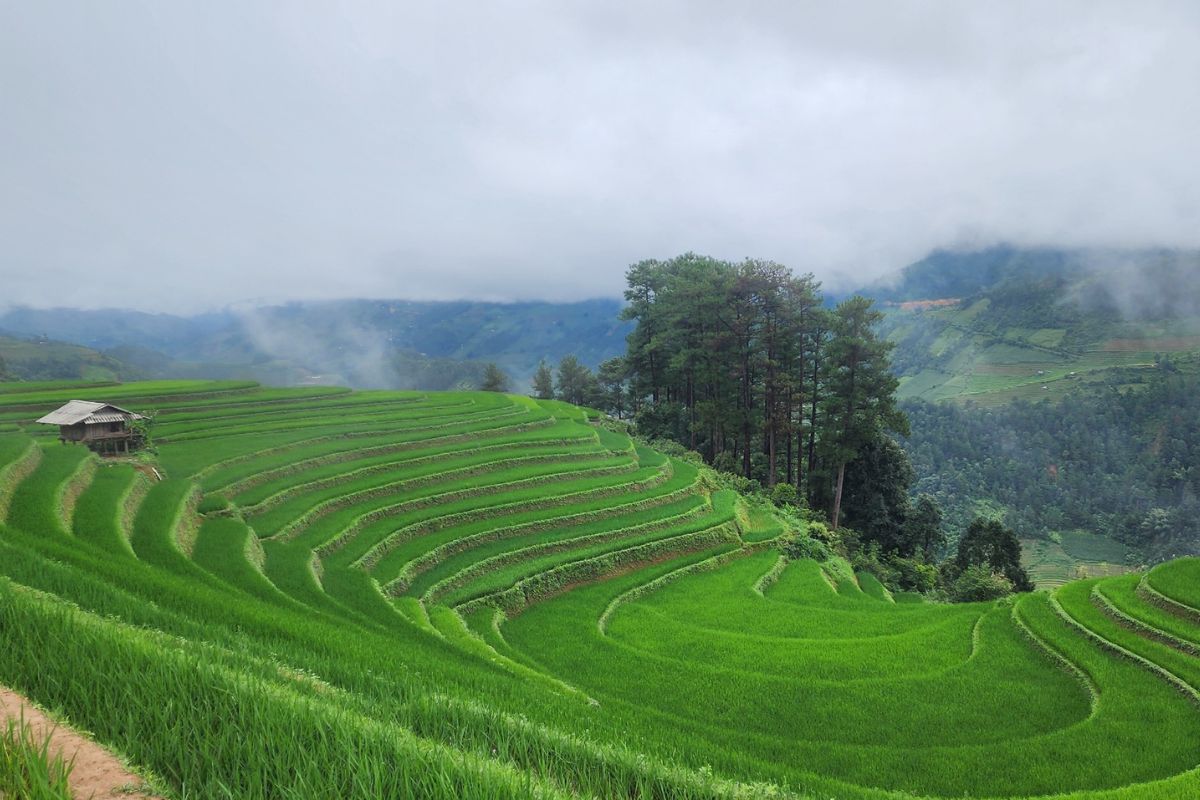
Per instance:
(1117,463)
(364,343)
(1003,324)
(1055,389)
(37,359)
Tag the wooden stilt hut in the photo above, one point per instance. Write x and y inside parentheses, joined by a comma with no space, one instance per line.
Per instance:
(103,427)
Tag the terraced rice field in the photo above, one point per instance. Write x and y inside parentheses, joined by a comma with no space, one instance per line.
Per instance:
(380,594)
(1077,555)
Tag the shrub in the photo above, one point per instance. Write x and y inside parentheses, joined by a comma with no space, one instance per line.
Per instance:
(803,546)
(784,494)
(977,582)
(725,462)
(868,558)
(913,575)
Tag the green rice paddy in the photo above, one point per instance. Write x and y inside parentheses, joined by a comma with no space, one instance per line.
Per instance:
(468,595)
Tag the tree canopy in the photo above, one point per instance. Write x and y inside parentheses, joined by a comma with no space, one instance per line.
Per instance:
(543,381)
(494,379)
(745,364)
(989,543)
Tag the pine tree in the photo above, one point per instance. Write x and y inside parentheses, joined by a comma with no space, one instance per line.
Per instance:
(575,384)
(923,529)
(494,379)
(860,389)
(611,379)
(543,382)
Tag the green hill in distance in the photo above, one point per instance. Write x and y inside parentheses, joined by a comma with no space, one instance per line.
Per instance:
(375,344)
(473,595)
(1054,389)
(1003,324)
(40,359)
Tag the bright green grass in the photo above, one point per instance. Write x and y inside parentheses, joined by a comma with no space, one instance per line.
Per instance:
(1121,595)
(765,704)
(130,392)
(206,458)
(464,524)
(479,466)
(540,560)
(871,587)
(1075,601)
(11,448)
(224,547)
(556,438)
(100,514)
(382,415)
(377,539)
(380,492)
(763,526)
(491,549)
(1178,580)
(253,467)
(35,502)
(705,682)
(833,713)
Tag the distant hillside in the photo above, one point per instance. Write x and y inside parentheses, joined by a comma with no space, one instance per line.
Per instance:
(39,359)
(1001,324)
(1089,479)
(363,343)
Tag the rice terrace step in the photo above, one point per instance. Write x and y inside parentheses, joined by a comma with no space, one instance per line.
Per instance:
(325,593)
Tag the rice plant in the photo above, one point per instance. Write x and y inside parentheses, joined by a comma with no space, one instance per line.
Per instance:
(400,594)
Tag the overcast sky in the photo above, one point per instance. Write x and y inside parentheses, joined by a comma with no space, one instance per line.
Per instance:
(181,156)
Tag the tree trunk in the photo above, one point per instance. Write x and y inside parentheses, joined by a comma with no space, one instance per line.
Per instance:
(788,437)
(691,401)
(812,415)
(771,477)
(747,430)
(837,495)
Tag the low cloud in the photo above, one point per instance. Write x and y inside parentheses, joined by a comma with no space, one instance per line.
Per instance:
(176,157)
(1142,286)
(360,355)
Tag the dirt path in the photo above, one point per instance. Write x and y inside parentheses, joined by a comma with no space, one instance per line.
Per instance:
(97,775)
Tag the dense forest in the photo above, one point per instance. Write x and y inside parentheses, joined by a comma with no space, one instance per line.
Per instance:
(748,366)
(744,364)
(1121,463)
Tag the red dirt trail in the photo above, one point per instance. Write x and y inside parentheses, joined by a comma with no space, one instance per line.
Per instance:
(97,774)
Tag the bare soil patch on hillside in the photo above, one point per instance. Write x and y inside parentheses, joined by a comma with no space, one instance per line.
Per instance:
(97,774)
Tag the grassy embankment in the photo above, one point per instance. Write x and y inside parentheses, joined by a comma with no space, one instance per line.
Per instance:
(474,595)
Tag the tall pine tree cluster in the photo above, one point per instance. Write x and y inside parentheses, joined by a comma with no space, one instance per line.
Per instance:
(745,364)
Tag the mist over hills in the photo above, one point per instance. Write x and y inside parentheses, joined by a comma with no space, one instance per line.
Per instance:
(994,325)
(979,329)
(361,343)
(978,324)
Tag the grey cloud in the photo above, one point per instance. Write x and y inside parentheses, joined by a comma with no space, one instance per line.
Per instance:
(189,155)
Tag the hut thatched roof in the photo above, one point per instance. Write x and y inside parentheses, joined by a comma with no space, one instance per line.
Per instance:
(89,413)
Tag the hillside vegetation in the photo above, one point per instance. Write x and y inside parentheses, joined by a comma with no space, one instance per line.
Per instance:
(1052,389)
(478,595)
(1003,324)
(39,359)
(1116,464)
(394,344)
